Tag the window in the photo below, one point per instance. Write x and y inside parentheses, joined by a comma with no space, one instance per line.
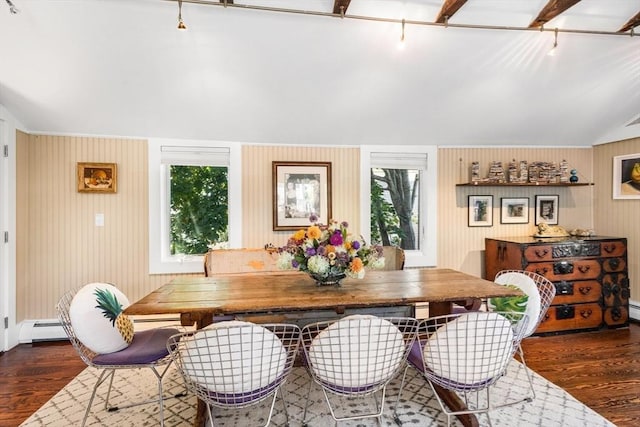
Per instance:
(194,200)
(399,200)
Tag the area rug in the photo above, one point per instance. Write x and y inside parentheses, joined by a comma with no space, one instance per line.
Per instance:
(417,408)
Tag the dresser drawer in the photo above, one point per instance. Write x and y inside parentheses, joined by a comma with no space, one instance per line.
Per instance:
(570,317)
(616,316)
(573,292)
(613,249)
(567,270)
(615,289)
(614,264)
(538,253)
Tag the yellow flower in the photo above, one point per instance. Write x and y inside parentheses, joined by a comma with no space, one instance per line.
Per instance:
(299,235)
(330,250)
(314,232)
(356,265)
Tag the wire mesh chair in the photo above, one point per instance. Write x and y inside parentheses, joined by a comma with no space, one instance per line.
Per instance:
(355,357)
(540,292)
(147,350)
(236,364)
(466,353)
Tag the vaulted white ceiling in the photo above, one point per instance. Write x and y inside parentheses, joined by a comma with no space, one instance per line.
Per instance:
(121,68)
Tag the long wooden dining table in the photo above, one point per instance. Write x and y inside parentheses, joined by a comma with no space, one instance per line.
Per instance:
(198,300)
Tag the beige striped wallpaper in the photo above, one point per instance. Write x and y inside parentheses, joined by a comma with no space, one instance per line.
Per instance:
(59,247)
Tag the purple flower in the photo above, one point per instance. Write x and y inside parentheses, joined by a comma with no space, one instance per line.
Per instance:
(311,251)
(313,218)
(322,250)
(336,238)
(295,264)
(345,224)
(355,245)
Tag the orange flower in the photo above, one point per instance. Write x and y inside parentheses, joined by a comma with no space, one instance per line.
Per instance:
(298,235)
(356,265)
(330,249)
(314,232)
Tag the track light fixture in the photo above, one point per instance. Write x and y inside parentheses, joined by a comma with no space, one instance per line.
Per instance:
(401,44)
(12,7)
(181,25)
(552,52)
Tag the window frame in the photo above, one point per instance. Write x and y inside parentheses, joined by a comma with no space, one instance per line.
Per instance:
(427,255)
(160,260)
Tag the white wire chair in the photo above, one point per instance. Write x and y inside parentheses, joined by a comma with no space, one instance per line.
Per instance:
(355,357)
(540,292)
(147,350)
(236,364)
(466,353)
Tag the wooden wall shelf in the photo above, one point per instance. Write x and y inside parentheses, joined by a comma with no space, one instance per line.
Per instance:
(523,184)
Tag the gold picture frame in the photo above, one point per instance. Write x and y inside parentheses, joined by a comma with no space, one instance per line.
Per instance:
(300,189)
(97,177)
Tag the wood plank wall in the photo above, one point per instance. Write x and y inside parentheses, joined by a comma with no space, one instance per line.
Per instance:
(462,247)
(59,247)
(618,217)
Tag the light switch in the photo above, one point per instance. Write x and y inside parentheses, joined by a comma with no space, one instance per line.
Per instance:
(99,220)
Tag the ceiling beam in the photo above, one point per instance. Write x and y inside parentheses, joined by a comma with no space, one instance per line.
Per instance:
(340,4)
(449,8)
(552,9)
(632,23)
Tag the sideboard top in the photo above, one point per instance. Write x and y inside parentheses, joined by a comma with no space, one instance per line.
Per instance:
(545,240)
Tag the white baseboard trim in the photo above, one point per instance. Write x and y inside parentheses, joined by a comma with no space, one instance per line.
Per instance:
(32,331)
(634,310)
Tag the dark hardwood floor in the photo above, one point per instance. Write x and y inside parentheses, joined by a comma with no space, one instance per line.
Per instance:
(601,369)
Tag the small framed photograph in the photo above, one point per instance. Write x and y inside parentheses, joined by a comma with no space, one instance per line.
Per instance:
(300,189)
(626,176)
(514,210)
(97,177)
(547,208)
(480,211)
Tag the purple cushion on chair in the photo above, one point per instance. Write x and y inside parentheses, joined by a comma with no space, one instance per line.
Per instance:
(415,356)
(147,347)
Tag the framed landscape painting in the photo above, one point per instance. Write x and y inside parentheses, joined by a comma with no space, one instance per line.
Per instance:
(514,210)
(480,211)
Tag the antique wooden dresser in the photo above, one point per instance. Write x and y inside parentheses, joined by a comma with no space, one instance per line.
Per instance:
(590,275)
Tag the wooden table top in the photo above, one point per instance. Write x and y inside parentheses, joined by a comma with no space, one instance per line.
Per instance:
(290,291)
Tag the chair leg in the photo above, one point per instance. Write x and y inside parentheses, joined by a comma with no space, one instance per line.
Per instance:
(284,404)
(529,377)
(396,417)
(306,404)
(104,374)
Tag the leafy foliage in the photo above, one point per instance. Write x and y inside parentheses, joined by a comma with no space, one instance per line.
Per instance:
(199,208)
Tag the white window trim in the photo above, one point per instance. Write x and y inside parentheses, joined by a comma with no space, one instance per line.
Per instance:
(427,256)
(159,263)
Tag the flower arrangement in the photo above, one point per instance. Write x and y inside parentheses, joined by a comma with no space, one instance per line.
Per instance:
(328,252)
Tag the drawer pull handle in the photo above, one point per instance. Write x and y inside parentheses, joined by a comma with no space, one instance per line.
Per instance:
(584,290)
(542,271)
(541,253)
(586,313)
(609,248)
(614,263)
(584,268)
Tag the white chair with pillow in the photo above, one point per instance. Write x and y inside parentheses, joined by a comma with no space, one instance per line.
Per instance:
(356,357)
(236,364)
(103,335)
(466,353)
(539,293)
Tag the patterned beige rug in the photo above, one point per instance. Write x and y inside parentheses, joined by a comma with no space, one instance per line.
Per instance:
(418,407)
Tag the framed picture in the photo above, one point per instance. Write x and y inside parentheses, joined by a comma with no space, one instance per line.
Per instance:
(97,177)
(480,211)
(547,209)
(626,176)
(514,210)
(300,189)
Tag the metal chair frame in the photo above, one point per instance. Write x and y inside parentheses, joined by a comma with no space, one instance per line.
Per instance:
(159,367)
(213,362)
(346,359)
(547,292)
(494,342)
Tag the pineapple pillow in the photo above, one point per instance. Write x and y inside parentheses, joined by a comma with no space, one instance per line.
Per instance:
(97,318)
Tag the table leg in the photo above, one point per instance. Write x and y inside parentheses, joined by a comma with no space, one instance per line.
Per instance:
(448,397)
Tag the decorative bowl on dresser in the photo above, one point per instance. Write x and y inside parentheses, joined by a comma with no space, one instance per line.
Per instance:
(590,275)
